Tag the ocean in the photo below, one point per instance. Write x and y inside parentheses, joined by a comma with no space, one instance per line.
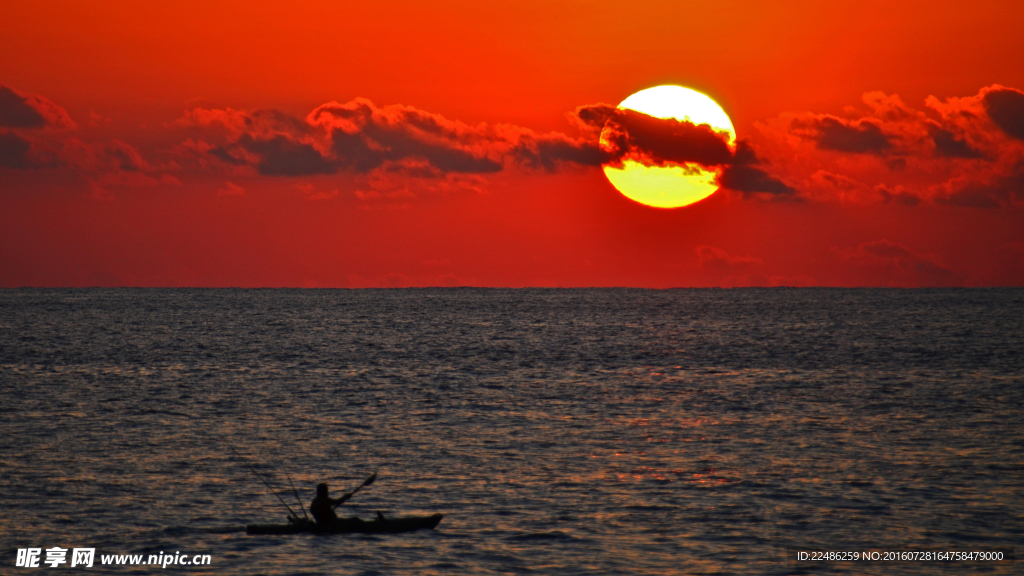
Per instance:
(592,431)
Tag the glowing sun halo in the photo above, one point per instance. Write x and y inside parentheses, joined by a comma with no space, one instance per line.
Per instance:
(670,186)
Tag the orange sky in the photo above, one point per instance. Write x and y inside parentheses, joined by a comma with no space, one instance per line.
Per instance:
(137,144)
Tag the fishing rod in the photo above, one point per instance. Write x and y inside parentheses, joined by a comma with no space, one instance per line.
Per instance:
(297,499)
(292,512)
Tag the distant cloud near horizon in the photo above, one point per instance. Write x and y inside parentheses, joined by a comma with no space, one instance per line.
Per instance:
(901,265)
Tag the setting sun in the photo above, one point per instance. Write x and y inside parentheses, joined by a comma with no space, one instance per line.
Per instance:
(670,186)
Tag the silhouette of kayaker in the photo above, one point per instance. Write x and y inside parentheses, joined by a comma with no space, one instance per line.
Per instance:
(322,507)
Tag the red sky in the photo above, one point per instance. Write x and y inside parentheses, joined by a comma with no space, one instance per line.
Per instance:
(440,144)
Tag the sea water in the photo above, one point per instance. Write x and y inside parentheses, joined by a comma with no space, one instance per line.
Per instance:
(558,431)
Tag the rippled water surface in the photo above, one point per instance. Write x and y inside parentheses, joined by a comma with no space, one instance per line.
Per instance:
(559,431)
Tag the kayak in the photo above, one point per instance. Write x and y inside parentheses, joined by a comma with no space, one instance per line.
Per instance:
(352,525)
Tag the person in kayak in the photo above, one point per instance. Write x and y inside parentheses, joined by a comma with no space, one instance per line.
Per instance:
(323,505)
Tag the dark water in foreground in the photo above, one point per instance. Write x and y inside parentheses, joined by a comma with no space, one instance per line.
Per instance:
(560,431)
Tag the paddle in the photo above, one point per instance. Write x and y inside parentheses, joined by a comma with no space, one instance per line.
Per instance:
(369,480)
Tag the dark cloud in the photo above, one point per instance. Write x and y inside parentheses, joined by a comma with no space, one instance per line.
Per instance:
(14,151)
(16,113)
(283,156)
(25,111)
(26,145)
(1005,106)
(221,154)
(549,152)
(743,176)
(361,137)
(947,145)
(593,116)
(627,134)
(631,135)
(364,136)
(93,159)
(353,137)
(830,133)
(366,151)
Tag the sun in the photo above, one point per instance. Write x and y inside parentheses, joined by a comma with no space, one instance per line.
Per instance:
(670,186)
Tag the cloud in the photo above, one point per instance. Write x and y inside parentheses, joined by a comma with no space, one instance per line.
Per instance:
(718,260)
(360,137)
(751,180)
(231,189)
(892,130)
(25,152)
(894,264)
(1000,188)
(30,112)
(726,270)
(898,196)
(831,133)
(311,193)
(391,187)
(112,156)
(284,156)
(631,135)
(363,137)
(1005,106)
(553,151)
(261,123)
(24,145)
(947,145)
(961,152)
(32,140)
(742,176)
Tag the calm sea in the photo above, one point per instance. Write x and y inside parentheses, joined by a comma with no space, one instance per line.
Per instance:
(559,431)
